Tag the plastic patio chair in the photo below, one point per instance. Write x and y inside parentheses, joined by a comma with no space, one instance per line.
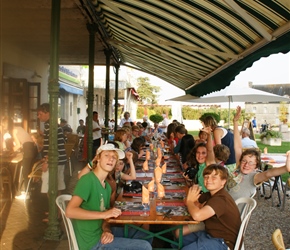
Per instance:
(249,205)
(277,239)
(61,202)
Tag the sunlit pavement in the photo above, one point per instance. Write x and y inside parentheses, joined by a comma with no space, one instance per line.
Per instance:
(21,221)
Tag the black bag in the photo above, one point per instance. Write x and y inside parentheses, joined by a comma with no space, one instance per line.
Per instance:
(133,187)
(191,172)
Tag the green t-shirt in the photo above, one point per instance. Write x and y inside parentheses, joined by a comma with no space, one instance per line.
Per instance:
(95,198)
(200,177)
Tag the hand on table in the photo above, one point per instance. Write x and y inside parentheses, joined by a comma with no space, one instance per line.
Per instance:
(113,212)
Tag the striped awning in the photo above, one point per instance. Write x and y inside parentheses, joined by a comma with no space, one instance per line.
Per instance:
(199,46)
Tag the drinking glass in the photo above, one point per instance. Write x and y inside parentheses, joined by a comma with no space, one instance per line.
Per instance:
(146,209)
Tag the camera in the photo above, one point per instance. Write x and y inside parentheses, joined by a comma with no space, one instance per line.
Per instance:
(191,172)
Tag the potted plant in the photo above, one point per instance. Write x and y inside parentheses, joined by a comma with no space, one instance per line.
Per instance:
(271,137)
(156,118)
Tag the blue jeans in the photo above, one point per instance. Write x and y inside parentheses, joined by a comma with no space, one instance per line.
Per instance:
(201,240)
(122,243)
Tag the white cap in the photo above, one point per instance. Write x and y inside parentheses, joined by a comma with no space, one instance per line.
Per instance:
(111,147)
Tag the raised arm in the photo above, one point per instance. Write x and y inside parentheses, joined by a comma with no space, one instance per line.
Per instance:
(132,175)
(237,138)
(264,176)
(210,158)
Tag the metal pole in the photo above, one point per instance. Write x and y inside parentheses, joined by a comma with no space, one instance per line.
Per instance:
(108,54)
(53,231)
(116,95)
(92,30)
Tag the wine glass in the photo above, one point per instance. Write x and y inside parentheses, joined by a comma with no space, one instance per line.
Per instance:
(146,209)
(160,196)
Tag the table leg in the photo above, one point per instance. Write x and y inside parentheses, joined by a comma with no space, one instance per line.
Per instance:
(158,234)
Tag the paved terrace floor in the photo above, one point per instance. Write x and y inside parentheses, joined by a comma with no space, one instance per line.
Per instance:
(22,226)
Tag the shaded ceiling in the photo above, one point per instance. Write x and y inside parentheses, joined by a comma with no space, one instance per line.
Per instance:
(198,46)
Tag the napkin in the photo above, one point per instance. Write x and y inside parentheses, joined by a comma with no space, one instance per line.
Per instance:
(162,143)
(164,168)
(147,155)
(159,154)
(145,195)
(160,190)
(151,186)
(157,162)
(158,174)
(151,147)
(145,166)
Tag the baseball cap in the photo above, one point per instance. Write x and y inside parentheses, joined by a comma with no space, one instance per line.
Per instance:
(111,147)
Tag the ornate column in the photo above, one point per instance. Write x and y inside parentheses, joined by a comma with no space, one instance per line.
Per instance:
(53,231)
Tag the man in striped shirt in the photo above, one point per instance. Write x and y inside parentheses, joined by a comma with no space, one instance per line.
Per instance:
(43,114)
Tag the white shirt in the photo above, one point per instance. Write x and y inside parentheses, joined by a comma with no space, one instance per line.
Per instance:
(248,143)
(123,120)
(97,134)
(165,123)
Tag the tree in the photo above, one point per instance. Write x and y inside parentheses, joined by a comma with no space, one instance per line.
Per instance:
(147,92)
(283,112)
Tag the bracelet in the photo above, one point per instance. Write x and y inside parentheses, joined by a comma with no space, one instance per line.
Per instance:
(89,165)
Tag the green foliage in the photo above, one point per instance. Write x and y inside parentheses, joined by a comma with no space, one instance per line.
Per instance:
(156,118)
(189,113)
(283,112)
(152,110)
(270,134)
(147,92)
(214,115)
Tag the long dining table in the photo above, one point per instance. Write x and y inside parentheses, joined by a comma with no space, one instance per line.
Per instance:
(169,210)
(10,167)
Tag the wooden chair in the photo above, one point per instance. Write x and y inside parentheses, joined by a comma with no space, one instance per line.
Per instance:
(61,202)
(73,139)
(277,239)
(249,205)
(36,173)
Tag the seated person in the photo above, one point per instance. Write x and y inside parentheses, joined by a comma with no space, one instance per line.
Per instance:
(119,176)
(202,137)
(245,179)
(81,129)
(186,145)
(217,209)
(90,207)
(135,132)
(121,137)
(65,126)
(246,141)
